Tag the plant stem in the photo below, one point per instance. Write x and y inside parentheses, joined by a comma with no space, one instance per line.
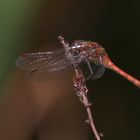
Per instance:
(81,90)
(91,122)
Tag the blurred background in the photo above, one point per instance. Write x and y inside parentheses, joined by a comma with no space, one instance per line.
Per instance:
(32,109)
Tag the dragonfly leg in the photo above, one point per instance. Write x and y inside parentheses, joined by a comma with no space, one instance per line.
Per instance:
(91,72)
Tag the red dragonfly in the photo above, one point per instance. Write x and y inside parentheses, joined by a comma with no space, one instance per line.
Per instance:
(80,54)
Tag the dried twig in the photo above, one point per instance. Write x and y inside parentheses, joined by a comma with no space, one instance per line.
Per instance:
(81,90)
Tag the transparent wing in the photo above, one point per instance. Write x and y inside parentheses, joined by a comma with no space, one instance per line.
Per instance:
(97,69)
(43,61)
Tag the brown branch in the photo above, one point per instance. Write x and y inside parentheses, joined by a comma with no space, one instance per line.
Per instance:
(81,90)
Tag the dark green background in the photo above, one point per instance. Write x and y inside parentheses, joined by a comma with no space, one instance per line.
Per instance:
(113,23)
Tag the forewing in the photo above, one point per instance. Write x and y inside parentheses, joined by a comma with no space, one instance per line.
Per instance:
(43,61)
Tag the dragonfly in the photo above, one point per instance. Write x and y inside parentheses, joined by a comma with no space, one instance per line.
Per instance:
(88,56)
